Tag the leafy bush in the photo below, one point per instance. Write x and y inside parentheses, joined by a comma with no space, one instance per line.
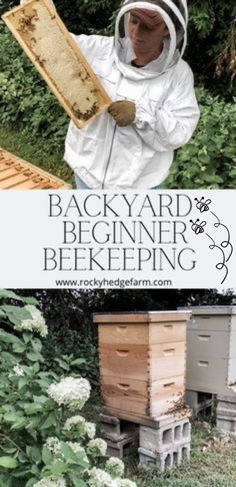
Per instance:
(209,159)
(25,100)
(44,441)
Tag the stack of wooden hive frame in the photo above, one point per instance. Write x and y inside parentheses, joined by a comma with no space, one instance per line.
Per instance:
(211,361)
(15,173)
(142,373)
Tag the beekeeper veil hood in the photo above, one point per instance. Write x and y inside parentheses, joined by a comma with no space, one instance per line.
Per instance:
(175,16)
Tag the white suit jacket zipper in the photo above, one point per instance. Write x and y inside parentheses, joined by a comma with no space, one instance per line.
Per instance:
(109,157)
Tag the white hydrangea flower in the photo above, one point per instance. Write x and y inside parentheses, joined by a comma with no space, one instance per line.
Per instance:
(53,444)
(71,392)
(18,371)
(98,446)
(127,483)
(90,430)
(51,482)
(77,448)
(118,482)
(73,421)
(115,467)
(99,478)
(34,324)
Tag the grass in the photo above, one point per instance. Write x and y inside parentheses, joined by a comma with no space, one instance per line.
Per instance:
(212,463)
(36,152)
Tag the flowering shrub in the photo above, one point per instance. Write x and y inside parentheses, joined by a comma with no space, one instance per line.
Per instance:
(71,392)
(41,443)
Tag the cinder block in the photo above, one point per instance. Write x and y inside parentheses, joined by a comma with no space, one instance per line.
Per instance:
(230,398)
(118,448)
(225,412)
(116,429)
(226,408)
(164,460)
(199,401)
(165,438)
(226,405)
(226,424)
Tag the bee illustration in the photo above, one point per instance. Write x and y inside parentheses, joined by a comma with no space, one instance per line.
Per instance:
(198,227)
(203,205)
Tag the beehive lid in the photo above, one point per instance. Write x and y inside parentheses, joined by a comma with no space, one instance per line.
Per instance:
(212,310)
(141,317)
(15,173)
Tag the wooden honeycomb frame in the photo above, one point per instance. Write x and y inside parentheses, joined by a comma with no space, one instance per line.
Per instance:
(15,173)
(56,55)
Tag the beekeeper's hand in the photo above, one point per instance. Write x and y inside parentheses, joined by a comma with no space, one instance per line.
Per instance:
(123,112)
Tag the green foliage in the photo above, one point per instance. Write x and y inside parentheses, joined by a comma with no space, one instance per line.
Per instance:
(25,100)
(39,436)
(209,159)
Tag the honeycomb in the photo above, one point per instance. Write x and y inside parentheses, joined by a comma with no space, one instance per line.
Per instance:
(55,54)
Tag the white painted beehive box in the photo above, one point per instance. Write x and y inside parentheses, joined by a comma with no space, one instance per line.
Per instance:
(211,349)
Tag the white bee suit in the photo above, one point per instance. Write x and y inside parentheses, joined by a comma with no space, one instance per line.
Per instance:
(104,155)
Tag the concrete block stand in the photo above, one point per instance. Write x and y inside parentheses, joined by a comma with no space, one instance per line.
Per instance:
(165,447)
(226,413)
(199,402)
(119,435)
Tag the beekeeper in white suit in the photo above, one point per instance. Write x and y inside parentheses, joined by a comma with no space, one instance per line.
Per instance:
(154,109)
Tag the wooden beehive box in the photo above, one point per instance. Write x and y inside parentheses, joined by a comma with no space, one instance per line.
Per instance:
(56,55)
(211,349)
(142,363)
(15,173)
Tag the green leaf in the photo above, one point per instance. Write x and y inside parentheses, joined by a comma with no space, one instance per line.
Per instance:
(8,357)
(47,456)
(9,338)
(37,345)
(34,422)
(12,418)
(62,364)
(5,294)
(16,314)
(31,482)
(40,399)
(27,337)
(50,421)
(19,347)
(21,423)
(33,408)
(68,453)
(34,357)
(22,383)
(31,300)
(8,450)
(72,457)
(8,462)
(58,468)
(34,453)
(35,470)
(77,482)
(36,368)
(78,361)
